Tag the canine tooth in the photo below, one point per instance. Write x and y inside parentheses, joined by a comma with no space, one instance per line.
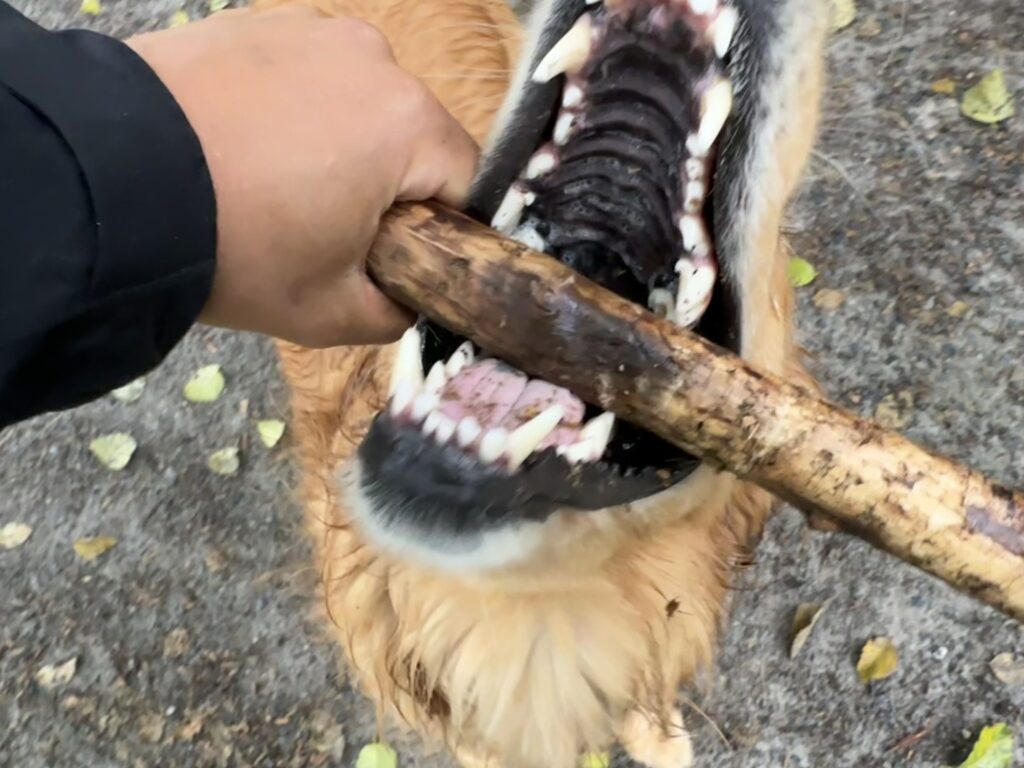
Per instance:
(493,445)
(529,237)
(568,54)
(696,282)
(424,403)
(445,429)
(662,302)
(541,163)
(403,394)
(527,437)
(460,358)
(563,128)
(510,211)
(722,29)
(432,422)
(469,429)
(408,363)
(695,235)
(599,431)
(715,106)
(572,97)
(436,379)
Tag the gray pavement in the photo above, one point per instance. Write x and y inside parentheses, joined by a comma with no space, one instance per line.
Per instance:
(192,636)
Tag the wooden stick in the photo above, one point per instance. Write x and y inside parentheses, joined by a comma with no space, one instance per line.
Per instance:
(551,322)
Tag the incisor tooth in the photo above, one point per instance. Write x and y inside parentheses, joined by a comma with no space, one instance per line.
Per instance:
(506,218)
(722,29)
(424,403)
(568,54)
(715,106)
(469,429)
(526,438)
(436,379)
(445,429)
(431,424)
(599,430)
(493,445)
(460,358)
(408,361)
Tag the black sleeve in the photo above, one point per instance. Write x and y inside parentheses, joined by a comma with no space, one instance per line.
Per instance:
(107,218)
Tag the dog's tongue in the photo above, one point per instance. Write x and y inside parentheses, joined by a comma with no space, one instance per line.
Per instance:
(497,395)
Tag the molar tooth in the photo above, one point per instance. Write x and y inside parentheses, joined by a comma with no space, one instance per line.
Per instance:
(436,379)
(715,106)
(694,169)
(424,403)
(563,128)
(693,197)
(568,54)
(408,362)
(696,283)
(542,162)
(695,235)
(661,302)
(510,211)
(572,96)
(722,29)
(469,429)
(460,358)
(493,445)
(445,429)
(527,437)
(599,431)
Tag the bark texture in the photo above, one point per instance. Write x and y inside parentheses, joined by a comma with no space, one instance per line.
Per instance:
(551,322)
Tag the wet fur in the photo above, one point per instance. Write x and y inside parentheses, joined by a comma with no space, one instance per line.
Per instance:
(589,638)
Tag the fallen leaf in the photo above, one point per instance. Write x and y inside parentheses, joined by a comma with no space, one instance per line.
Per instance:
(829,298)
(958,309)
(1008,668)
(114,450)
(993,749)
(176,644)
(596,760)
(945,86)
(878,659)
(804,619)
(91,7)
(988,101)
(179,19)
(90,548)
(224,462)
(52,675)
(206,385)
(843,14)
(13,535)
(801,272)
(131,391)
(218,5)
(270,431)
(377,755)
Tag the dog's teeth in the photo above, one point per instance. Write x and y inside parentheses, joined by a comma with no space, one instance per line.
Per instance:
(529,237)
(542,162)
(510,211)
(469,429)
(572,97)
(408,362)
(661,302)
(460,358)
(563,128)
(696,283)
(526,438)
(695,235)
(436,379)
(403,394)
(431,424)
(694,169)
(445,429)
(577,453)
(599,431)
(722,29)
(592,2)
(493,445)
(703,6)
(568,54)
(693,197)
(424,403)
(715,106)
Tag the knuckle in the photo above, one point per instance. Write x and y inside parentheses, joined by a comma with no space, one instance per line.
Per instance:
(368,35)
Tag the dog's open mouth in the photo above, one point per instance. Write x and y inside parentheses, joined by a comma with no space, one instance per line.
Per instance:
(610,167)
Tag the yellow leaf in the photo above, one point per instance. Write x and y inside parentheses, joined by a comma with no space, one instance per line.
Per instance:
(224,462)
(218,5)
(595,760)
(14,535)
(1008,668)
(91,548)
(804,619)
(52,675)
(945,86)
(206,385)
(91,7)
(114,450)
(270,431)
(801,272)
(130,392)
(958,309)
(988,101)
(993,749)
(179,19)
(829,298)
(878,659)
(377,756)
(843,14)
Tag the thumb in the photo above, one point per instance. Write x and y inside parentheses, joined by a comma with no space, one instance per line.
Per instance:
(443,162)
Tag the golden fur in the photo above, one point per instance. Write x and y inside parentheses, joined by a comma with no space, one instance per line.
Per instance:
(589,640)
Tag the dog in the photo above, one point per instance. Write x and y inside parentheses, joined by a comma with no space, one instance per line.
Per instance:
(509,571)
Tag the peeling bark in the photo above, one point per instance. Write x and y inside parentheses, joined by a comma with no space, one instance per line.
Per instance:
(943,517)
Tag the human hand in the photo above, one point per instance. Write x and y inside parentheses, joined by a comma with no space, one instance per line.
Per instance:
(311,132)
